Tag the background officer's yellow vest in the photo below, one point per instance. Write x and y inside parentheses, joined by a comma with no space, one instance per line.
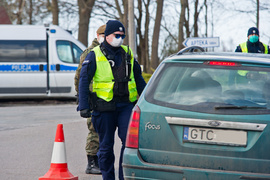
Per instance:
(103,79)
(245,49)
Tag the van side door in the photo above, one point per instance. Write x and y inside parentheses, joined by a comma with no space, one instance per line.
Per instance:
(66,58)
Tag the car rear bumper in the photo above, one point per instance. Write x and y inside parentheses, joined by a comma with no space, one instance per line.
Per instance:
(136,169)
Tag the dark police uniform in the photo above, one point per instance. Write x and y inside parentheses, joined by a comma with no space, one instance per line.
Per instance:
(106,121)
(253,45)
(257,47)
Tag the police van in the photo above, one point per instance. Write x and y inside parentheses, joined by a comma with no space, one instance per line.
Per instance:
(37,61)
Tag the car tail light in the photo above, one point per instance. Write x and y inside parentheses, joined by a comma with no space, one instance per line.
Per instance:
(221,63)
(132,140)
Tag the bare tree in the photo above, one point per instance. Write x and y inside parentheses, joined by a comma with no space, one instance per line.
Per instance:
(196,17)
(187,21)
(155,38)
(206,18)
(125,20)
(118,9)
(260,6)
(182,20)
(113,9)
(30,12)
(123,15)
(192,17)
(85,9)
(55,12)
(20,11)
(143,46)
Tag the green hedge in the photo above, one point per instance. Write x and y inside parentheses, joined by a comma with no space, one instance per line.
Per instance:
(146,76)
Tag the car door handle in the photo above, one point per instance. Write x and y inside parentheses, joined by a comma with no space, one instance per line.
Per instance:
(41,67)
(57,67)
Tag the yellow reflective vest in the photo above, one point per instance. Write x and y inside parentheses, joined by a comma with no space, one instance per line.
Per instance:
(103,80)
(245,49)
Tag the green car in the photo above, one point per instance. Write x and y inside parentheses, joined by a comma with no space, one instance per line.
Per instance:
(203,115)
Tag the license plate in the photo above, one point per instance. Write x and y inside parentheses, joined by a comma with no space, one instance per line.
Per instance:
(215,136)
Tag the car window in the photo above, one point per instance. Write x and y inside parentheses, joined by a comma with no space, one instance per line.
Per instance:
(77,53)
(68,52)
(23,51)
(210,87)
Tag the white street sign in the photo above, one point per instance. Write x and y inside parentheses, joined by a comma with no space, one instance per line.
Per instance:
(203,42)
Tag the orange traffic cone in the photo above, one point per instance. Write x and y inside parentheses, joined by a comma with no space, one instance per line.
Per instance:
(59,168)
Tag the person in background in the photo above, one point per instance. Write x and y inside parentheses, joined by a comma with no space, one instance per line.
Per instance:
(253,44)
(117,82)
(92,140)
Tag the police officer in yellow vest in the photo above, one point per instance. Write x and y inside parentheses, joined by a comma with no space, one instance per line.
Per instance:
(253,45)
(92,140)
(117,82)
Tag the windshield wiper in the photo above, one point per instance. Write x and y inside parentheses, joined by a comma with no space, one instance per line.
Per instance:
(238,107)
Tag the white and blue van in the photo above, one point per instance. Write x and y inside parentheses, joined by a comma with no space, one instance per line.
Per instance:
(37,61)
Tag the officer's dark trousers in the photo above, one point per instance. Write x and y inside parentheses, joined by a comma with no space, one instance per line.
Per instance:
(105,124)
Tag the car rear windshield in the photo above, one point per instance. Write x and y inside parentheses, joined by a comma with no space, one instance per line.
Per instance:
(218,89)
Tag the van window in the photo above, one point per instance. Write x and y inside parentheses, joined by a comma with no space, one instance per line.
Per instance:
(68,52)
(22,51)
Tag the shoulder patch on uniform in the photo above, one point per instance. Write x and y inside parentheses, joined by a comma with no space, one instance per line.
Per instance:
(85,61)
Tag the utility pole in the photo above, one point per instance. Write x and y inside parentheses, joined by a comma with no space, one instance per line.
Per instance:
(131,27)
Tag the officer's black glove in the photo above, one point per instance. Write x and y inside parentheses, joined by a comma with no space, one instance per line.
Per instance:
(85,113)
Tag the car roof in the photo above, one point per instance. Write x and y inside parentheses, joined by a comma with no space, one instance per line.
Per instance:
(221,56)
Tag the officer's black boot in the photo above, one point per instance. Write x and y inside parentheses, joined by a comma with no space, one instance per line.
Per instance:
(92,166)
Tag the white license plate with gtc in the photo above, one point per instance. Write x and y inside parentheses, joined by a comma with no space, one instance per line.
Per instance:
(215,136)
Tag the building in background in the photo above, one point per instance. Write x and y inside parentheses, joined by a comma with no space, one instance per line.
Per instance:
(4,18)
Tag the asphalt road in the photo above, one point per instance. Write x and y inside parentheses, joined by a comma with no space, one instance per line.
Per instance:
(27,135)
